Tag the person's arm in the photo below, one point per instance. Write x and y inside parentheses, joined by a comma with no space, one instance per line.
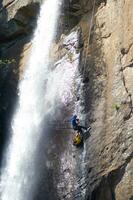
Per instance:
(77,120)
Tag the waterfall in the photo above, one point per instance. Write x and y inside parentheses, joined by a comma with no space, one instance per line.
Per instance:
(19,174)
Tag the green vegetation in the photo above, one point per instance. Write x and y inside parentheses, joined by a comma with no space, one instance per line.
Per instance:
(19,23)
(7,62)
(70,56)
(116,106)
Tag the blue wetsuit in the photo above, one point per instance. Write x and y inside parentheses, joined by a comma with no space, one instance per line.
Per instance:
(74,121)
(75,125)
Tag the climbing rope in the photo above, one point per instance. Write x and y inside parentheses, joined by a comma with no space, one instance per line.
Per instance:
(92,17)
(68,13)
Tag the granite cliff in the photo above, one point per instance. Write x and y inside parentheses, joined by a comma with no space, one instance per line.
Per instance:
(105,165)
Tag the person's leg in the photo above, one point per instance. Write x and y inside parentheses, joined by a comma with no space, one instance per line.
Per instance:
(75,128)
(83,127)
(79,129)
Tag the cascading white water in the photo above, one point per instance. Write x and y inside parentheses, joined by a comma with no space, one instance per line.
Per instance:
(18,177)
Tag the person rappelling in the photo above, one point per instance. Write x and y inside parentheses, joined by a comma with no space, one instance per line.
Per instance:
(78,137)
(76,126)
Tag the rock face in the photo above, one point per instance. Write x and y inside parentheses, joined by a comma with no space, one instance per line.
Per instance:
(111,144)
(103,169)
(17,18)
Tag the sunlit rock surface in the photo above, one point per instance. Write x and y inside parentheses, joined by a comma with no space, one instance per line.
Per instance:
(103,169)
(18,18)
(110,148)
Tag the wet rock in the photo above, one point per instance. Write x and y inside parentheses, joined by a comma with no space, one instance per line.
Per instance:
(103,169)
